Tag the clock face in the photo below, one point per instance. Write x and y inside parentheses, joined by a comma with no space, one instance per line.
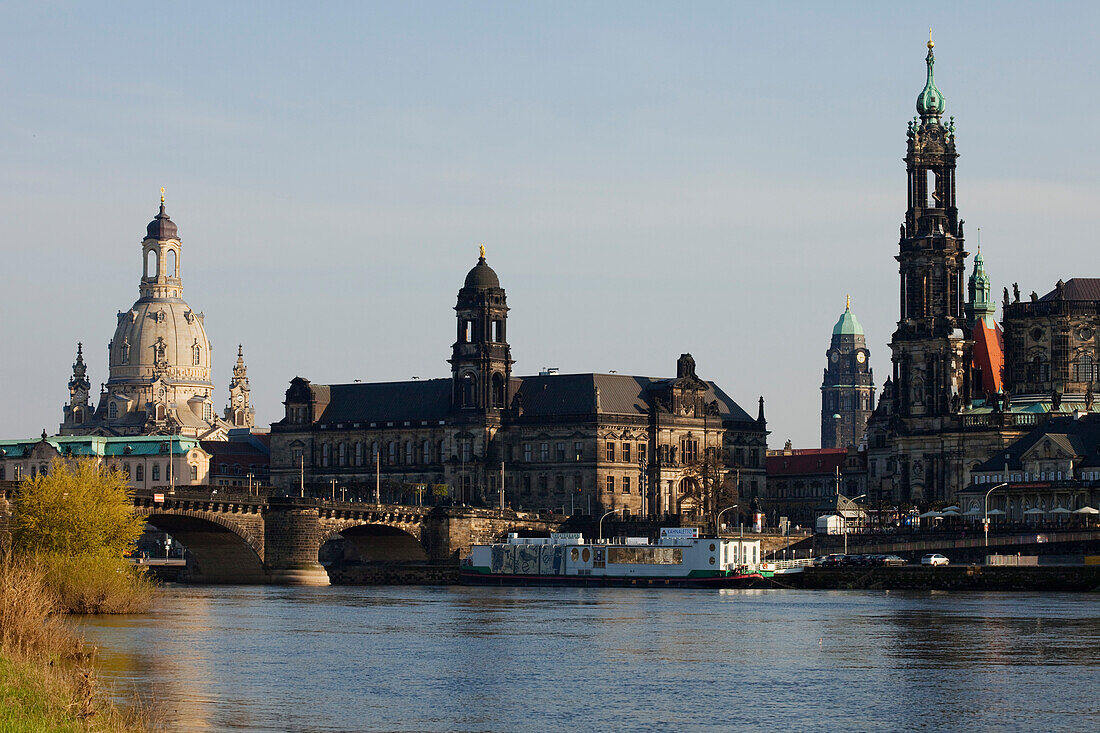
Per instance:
(239,399)
(861,357)
(833,356)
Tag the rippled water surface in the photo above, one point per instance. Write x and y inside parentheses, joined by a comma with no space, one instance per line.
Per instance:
(505,659)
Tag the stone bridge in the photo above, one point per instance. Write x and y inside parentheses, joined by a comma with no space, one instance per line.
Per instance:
(236,537)
(240,537)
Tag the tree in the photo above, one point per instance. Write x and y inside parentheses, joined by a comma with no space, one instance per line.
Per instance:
(715,486)
(77,508)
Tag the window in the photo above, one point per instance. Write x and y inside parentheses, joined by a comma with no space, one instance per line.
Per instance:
(641,451)
(358,453)
(1083,369)
(194,474)
(343,452)
(467,450)
(559,484)
(426,451)
(112,411)
(442,450)
(326,454)
(544,451)
(139,472)
(689,448)
(207,411)
(526,452)
(542,485)
(156,472)
(578,450)
(560,450)
(391,450)
(577,485)
(410,453)
(527,484)
(626,484)
(611,484)
(626,452)
(610,451)
(196,354)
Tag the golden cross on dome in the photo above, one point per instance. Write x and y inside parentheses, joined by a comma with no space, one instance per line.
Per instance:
(162,194)
(847,302)
(930,43)
(482,247)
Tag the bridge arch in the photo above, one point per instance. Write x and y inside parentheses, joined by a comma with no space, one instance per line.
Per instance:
(222,550)
(371,542)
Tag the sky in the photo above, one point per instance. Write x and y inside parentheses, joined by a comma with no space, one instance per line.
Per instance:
(648,179)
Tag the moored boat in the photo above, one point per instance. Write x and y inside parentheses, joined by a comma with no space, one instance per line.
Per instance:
(679,558)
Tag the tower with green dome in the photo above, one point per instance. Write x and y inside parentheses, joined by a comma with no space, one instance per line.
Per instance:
(848,387)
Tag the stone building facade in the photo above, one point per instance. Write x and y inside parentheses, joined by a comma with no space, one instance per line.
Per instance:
(805,483)
(148,461)
(581,443)
(848,386)
(159,360)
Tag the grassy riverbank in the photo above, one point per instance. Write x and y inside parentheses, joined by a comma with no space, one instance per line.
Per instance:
(47,674)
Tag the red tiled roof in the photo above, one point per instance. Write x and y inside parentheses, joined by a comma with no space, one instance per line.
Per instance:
(802,462)
(989,355)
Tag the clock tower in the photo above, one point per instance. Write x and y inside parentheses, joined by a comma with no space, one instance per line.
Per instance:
(239,412)
(848,387)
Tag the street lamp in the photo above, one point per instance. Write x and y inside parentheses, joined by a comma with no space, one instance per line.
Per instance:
(985,521)
(845,518)
(717,517)
(607,514)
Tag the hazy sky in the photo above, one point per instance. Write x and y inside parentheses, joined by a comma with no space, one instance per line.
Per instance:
(648,179)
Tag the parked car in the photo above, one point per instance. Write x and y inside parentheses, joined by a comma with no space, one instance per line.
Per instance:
(832,561)
(893,561)
(934,559)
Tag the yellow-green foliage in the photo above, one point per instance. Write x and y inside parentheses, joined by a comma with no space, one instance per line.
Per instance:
(78,508)
(96,583)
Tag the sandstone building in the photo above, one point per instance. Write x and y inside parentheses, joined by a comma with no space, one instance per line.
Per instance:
(574,442)
(159,361)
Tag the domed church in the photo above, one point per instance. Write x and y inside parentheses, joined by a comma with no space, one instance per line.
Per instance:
(159,381)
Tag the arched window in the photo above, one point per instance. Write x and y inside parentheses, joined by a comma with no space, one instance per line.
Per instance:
(1084,369)
(326,454)
(170,264)
(151,263)
(196,353)
(374,451)
(112,411)
(469,391)
(343,448)
(426,452)
(410,452)
(392,449)
(358,453)
(442,451)
(194,474)
(498,390)
(125,352)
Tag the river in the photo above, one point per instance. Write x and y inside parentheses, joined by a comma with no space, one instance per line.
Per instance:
(414,658)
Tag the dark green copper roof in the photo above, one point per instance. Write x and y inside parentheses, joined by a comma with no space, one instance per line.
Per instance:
(930,102)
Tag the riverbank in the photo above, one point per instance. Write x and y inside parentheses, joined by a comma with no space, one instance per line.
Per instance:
(1068,578)
(47,672)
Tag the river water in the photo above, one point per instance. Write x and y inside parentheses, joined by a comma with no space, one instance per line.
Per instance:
(409,658)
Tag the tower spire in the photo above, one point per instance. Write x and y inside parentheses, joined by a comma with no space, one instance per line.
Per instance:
(930,102)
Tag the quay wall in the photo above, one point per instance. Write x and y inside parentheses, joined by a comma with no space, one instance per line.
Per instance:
(1075,578)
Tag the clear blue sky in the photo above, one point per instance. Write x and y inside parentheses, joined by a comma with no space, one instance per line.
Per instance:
(648,179)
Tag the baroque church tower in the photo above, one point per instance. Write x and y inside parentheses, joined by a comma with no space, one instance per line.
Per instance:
(931,347)
(481,360)
(848,387)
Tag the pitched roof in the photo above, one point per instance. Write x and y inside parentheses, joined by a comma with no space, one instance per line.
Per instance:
(423,399)
(1078,288)
(806,461)
(1077,436)
(989,356)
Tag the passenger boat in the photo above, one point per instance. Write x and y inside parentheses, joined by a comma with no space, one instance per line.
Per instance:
(680,558)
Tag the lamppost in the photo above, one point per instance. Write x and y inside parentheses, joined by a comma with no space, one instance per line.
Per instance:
(985,520)
(607,514)
(717,517)
(250,477)
(845,518)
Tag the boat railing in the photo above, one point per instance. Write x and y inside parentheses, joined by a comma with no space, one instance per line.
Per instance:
(785,564)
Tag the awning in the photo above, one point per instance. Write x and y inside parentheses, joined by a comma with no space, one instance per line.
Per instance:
(1060,510)
(1087,510)
(951,508)
(1034,512)
(995,512)
(930,515)
(951,513)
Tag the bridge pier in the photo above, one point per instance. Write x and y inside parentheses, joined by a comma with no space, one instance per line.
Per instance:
(292,534)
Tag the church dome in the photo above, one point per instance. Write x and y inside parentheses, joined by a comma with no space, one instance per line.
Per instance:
(482,277)
(847,325)
(160,336)
(161,227)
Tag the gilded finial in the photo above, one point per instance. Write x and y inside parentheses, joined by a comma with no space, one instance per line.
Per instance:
(162,194)
(482,249)
(930,42)
(847,302)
